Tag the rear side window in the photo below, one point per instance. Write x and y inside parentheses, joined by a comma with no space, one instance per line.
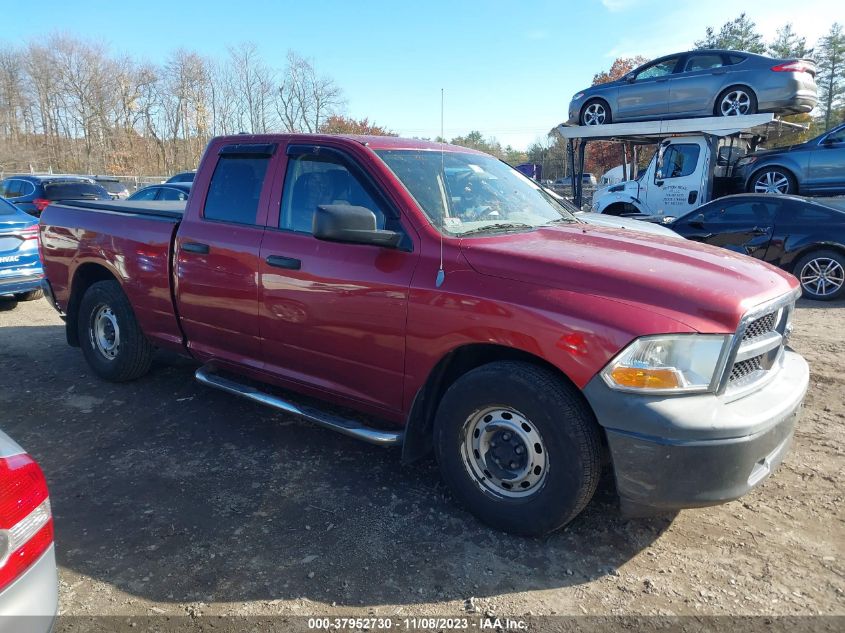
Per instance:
(235,188)
(703,62)
(171,193)
(811,213)
(74,191)
(12,188)
(677,161)
(312,181)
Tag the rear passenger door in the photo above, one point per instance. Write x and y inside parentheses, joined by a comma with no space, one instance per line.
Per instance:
(332,314)
(693,89)
(217,252)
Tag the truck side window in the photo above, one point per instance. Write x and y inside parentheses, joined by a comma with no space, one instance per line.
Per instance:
(235,188)
(677,161)
(314,180)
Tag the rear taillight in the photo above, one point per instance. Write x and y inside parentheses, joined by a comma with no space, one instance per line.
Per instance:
(797,66)
(26,521)
(40,204)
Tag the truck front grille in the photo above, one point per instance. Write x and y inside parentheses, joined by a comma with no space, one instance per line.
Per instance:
(758,347)
(760,326)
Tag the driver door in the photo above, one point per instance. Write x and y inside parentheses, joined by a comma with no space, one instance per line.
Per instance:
(679,178)
(743,226)
(647,96)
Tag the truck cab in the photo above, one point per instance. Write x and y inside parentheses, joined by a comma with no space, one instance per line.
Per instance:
(677,180)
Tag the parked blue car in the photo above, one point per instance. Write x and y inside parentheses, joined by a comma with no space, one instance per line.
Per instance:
(20,265)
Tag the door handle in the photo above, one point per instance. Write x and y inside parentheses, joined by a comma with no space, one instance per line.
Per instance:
(195,247)
(290,263)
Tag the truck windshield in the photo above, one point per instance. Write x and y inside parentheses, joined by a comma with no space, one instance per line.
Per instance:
(463,193)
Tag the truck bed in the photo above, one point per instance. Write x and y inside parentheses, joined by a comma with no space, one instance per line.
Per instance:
(170,209)
(131,241)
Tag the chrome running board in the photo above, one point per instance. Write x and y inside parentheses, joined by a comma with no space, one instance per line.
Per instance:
(206,376)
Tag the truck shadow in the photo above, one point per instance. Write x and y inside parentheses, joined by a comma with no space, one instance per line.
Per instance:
(172,492)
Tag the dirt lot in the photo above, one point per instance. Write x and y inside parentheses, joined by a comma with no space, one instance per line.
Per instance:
(170,498)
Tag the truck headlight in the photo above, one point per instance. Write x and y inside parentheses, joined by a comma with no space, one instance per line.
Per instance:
(671,363)
(746,160)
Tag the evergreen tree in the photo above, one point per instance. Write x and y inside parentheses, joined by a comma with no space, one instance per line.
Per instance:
(739,34)
(787,44)
(830,62)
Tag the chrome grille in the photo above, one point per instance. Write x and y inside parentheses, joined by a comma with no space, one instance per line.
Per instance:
(760,326)
(745,368)
(758,347)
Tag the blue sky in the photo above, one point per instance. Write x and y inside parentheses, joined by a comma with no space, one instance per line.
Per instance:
(508,68)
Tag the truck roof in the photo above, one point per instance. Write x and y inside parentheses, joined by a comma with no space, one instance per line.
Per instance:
(373,142)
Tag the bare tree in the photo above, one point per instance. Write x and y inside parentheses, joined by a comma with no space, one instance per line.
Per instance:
(306,99)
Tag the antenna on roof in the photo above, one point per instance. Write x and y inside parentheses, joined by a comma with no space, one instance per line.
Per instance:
(441,274)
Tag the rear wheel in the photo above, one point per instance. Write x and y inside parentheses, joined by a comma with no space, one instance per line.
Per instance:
(518,447)
(111,339)
(32,295)
(822,275)
(596,112)
(772,180)
(736,101)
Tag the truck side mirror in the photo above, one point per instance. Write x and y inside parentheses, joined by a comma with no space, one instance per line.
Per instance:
(352,225)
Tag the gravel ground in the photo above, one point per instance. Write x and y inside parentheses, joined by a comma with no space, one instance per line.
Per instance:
(173,499)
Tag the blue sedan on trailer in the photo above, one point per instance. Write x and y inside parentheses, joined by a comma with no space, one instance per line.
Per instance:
(20,264)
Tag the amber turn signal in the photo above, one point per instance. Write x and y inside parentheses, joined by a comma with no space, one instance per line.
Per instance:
(659,378)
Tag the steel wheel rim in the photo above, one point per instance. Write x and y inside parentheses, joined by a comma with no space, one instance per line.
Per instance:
(594,114)
(504,453)
(105,332)
(823,276)
(771,182)
(734,103)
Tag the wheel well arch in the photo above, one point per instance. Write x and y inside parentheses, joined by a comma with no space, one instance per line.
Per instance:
(84,277)
(590,100)
(417,441)
(810,249)
(719,95)
(618,208)
(789,170)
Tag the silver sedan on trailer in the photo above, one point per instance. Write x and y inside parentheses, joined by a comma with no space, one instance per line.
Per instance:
(698,84)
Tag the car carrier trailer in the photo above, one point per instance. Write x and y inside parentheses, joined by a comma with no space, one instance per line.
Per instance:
(683,173)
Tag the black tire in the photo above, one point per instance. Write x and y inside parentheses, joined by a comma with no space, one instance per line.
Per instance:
(570,438)
(811,264)
(132,354)
(32,295)
(773,176)
(608,115)
(751,104)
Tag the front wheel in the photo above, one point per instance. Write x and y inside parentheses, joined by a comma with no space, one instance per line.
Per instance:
(596,112)
(772,180)
(111,339)
(518,447)
(822,275)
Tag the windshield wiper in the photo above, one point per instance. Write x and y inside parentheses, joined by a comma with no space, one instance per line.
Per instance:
(572,220)
(503,226)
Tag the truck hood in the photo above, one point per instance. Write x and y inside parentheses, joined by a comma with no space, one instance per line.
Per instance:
(706,288)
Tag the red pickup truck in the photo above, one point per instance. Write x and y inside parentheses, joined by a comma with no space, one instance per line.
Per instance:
(455,304)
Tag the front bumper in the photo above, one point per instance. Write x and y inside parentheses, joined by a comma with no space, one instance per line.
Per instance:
(670,453)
